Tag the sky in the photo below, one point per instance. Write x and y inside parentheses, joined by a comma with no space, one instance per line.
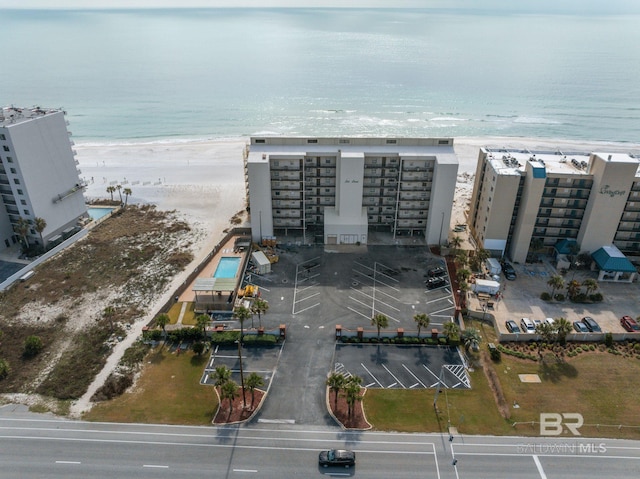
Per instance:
(542,6)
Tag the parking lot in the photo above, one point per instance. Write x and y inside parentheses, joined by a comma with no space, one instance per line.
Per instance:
(262,360)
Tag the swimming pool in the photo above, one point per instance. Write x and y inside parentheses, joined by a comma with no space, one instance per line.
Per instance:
(97,213)
(227,267)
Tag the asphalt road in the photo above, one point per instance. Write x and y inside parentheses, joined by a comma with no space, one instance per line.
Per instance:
(33,447)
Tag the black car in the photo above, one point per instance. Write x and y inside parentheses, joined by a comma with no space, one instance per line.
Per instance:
(509,271)
(439,271)
(512,327)
(436,282)
(591,324)
(337,457)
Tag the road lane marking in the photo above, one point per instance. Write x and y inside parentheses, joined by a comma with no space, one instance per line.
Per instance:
(539,466)
(68,462)
(245,470)
(156,466)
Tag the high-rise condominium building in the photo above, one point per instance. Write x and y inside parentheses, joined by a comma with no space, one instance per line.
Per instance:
(525,201)
(339,190)
(39,179)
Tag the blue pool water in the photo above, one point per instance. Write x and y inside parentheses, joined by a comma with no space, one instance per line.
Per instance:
(97,213)
(227,268)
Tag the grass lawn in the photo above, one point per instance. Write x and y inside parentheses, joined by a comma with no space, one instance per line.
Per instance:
(189,316)
(167,392)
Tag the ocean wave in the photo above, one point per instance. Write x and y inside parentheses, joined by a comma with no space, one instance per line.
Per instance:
(160,141)
(533,120)
(448,118)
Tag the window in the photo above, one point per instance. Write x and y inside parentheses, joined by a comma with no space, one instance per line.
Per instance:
(327,161)
(26,212)
(277,193)
(20,192)
(9,159)
(13,170)
(23,202)
(2,137)
(16,181)
(260,141)
(5,148)
(391,142)
(344,141)
(443,142)
(312,140)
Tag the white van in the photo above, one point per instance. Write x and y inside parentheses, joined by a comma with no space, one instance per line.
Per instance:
(527,325)
(493,266)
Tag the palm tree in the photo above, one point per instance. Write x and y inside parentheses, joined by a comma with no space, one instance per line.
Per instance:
(461,259)
(336,382)
(40,224)
(463,275)
(119,188)
(111,190)
(22,228)
(471,339)
(241,314)
(201,323)
(380,321)
(352,393)
(422,320)
(221,375)
(108,313)
(162,320)
(229,391)
(254,381)
(455,244)
(573,288)
(451,330)
(127,192)
(556,282)
(563,327)
(259,307)
(547,333)
(590,285)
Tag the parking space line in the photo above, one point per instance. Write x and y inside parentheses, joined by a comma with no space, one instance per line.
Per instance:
(413,385)
(359,302)
(391,385)
(414,377)
(369,385)
(370,374)
(393,376)
(357,312)
(308,297)
(307,309)
(434,375)
(436,300)
(440,310)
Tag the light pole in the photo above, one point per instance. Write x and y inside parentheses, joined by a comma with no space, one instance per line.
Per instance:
(244,400)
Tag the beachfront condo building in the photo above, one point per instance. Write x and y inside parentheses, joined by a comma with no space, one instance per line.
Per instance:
(39,178)
(527,202)
(342,190)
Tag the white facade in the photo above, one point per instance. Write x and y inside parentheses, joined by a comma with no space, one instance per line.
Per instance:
(339,189)
(38,176)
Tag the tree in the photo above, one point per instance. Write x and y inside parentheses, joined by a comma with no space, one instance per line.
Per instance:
(201,323)
(548,335)
(40,224)
(229,391)
(461,259)
(221,376)
(556,282)
(119,188)
(455,244)
(259,307)
(198,347)
(380,321)
(422,320)
(241,314)
(254,381)
(590,285)
(573,288)
(4,368)
(471,339)
(32,346)
(463,275)
(352,393)
(162,320)
(451,330)
(563,327)
(127,192)
(336,382)
(111,190)
(22,228)
(108,313)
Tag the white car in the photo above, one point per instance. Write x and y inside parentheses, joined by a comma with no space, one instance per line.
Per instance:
(527,325)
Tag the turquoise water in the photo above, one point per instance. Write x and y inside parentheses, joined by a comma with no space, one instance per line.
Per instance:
(211,73)
(97,213)
(227,267)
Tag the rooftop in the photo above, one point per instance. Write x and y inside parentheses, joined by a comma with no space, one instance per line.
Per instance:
(10,115)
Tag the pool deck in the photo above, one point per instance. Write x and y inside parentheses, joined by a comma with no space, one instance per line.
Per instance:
(210,268)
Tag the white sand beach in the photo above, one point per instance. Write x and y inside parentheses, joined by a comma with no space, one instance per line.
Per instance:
(204,179)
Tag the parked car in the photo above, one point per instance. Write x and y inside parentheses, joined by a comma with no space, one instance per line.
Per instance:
(509,271)
(630,324)
(580,327)
(551,322)
(527,325)
(512,327)
(435,282)
(439,271)
(591,324)
(337,457)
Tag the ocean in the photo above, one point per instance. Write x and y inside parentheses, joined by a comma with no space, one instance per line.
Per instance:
(174,74)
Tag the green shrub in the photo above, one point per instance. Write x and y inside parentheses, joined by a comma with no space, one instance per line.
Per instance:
(32,346)
(592,347)
(494,353)
(596,297)
(578,350)
(636,347)
(545,296)
(580,298)
(4,369)
(264,340)
(608,340)
(559,297)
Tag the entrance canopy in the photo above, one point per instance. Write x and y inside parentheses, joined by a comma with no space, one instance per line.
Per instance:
(610,258)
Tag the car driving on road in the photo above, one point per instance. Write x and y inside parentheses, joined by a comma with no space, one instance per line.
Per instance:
(337,457)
